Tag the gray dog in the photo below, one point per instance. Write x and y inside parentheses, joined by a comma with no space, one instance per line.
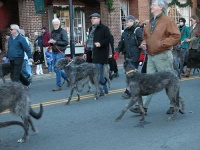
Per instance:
(5,69)
(77,73)
(16,99)
(146,84)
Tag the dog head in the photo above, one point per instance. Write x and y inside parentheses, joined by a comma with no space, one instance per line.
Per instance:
(129,66)
(78,60)
(61,63)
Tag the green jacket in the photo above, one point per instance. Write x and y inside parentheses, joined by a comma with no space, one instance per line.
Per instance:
(185,33)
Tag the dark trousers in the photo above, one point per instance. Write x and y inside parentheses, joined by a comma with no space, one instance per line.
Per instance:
(89,56)
(193,58)
(113,64)
(16,67)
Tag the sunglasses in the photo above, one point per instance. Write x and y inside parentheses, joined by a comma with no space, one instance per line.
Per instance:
(12,29)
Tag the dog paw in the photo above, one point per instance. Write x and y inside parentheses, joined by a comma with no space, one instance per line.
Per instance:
(118,119)
(181,111)
(170,119)
(22,140)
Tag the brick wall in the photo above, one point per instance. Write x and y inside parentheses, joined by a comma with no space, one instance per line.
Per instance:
(29,21)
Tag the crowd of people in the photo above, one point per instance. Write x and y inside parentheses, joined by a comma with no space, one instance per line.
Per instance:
(154,37)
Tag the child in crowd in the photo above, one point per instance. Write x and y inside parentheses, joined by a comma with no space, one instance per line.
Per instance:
(49,59)
(38,59)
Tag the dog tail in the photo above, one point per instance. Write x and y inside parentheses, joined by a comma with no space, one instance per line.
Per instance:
(10,123)
(36,115)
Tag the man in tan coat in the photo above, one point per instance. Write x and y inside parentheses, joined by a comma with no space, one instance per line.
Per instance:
(158,38)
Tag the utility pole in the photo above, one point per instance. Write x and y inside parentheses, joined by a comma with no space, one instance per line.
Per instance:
(71,16)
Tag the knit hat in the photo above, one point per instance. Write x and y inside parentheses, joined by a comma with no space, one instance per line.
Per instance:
(130,17)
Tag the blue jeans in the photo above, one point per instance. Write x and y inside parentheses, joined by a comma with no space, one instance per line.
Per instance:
(50,65)
(24,69)
(102,78)
(59,73)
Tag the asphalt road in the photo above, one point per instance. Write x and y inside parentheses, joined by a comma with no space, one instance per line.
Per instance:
(89,124)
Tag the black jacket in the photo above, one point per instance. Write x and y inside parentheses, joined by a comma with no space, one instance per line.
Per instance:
(101,35)
(61,38)
(128,44)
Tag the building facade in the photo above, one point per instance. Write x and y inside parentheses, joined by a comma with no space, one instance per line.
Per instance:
(112,15)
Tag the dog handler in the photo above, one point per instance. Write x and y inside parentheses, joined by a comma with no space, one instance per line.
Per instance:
(158,38)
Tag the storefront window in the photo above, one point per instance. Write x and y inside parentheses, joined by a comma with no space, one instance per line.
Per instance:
(176,12)
(62,12)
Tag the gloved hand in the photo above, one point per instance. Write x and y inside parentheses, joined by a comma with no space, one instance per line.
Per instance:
(116,55)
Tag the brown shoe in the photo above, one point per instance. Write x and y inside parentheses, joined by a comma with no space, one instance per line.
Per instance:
(187,73)
(57,88)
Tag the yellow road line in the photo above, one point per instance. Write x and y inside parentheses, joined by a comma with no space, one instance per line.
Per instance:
(65,100)
(53,102)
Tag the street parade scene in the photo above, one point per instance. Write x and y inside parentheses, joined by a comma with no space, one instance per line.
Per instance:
(99,74)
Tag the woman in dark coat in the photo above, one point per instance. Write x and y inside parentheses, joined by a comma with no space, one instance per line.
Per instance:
(130,41)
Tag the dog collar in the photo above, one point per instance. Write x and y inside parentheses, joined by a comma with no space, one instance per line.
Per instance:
(130,71)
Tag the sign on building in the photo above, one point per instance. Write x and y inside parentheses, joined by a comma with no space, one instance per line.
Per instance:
(39,6)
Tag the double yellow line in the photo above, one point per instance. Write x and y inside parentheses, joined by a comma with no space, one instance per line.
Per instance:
(53,102)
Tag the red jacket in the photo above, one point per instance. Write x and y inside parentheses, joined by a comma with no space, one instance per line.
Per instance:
(45,38)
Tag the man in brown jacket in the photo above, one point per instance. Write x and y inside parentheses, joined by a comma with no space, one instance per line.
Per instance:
(158,38)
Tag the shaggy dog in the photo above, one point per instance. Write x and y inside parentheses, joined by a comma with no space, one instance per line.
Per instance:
(16,99)
(77,73)
(5,69)
(79,60)
(146,84)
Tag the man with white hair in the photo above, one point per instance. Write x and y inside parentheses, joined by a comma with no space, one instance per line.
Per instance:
(59,42)
(158,38)
(17,45)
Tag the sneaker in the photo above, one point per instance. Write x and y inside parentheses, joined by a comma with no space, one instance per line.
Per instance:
(137,110)
(170,110)
(115,75)
(57,88)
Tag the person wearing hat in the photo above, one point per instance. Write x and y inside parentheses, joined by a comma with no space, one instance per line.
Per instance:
(97,46)
(129,45)
(45,39)
(17,45)
(159,37)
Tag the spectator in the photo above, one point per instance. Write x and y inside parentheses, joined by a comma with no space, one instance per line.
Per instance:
(7,36)
(97,46)
(17,45)
(158,38)
(38,60)
(49,59)
(45,39)
(25,64)
(59,42)
(129,44)
(193,56)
